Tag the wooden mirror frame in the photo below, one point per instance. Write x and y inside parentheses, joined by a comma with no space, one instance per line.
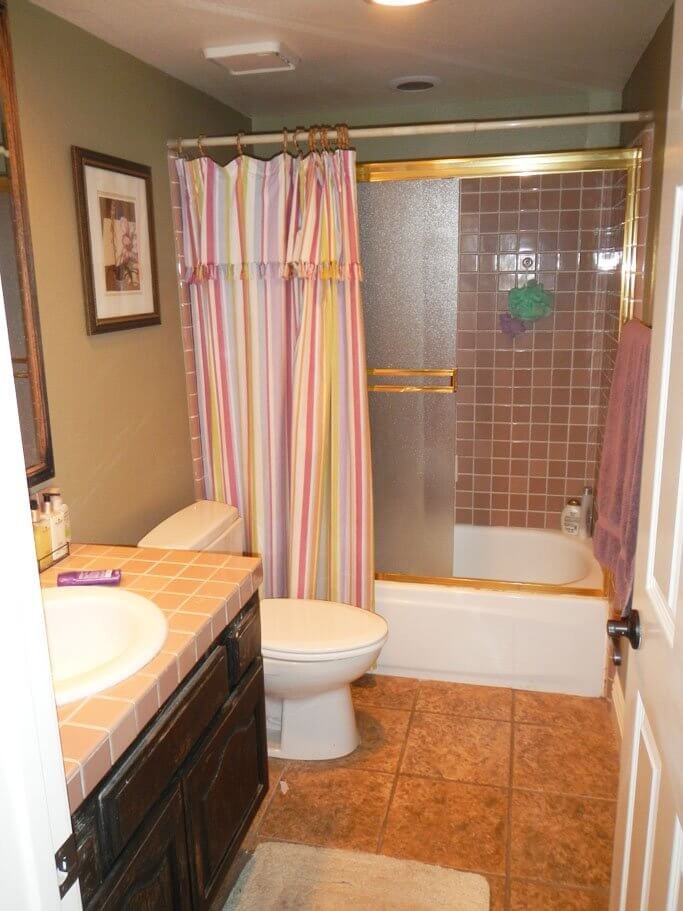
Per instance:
(43,469)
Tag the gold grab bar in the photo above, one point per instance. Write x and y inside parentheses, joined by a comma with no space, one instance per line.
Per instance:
(390,371)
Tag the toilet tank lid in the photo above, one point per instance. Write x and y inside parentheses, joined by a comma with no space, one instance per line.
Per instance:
(192,528)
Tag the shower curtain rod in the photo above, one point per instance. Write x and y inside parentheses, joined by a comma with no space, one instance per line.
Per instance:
(420,129)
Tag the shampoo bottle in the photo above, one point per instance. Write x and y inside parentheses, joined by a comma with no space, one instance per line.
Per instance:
(571,517)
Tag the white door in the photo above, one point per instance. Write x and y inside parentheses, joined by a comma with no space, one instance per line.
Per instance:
(34,812)
(648,862)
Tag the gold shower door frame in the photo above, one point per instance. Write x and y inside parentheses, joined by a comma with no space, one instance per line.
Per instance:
(628,160)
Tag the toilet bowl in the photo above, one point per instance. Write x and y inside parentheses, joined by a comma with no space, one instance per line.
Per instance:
(312,651)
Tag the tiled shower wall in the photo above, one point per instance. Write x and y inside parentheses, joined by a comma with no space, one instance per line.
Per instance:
(187,335)
(528,413)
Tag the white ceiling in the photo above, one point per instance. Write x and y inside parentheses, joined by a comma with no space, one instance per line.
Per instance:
(350,50)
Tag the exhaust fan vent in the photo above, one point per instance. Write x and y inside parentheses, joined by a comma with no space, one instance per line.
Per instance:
(251,59)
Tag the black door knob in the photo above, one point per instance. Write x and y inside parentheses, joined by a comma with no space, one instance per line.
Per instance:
(627,627)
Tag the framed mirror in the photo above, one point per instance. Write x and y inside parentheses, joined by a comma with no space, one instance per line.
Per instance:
(18,281)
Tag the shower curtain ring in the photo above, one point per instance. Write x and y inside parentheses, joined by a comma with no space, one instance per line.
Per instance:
(200,146)
(285,140)
(238,143)
(295,143)
(179,148)
(342,136)
(324,141)
(311,138)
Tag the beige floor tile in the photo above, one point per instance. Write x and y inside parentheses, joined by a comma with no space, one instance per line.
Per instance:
(448,823)
(465,699)
(564,840)
(565,760)
(532,897)
(460,749)
(572,711)
(338,808)
(385,692)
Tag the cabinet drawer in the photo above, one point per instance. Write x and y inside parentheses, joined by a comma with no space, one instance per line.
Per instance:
(224,785)
(153,872)
(143,777)
(244,641)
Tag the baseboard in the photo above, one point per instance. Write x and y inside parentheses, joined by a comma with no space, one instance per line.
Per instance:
(618,703)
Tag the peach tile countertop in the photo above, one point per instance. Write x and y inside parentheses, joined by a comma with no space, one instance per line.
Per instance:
(200,594)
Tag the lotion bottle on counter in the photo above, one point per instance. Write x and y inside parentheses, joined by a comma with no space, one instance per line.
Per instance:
(41,535)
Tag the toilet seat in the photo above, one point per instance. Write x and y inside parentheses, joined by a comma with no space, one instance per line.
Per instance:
(308,630)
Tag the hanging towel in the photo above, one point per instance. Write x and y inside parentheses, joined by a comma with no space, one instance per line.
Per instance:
(614,539)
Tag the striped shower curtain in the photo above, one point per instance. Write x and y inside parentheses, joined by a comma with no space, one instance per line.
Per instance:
(272,257)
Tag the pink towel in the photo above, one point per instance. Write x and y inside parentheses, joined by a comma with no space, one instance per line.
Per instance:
(614,539)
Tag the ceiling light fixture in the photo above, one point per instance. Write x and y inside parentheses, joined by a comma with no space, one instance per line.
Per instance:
(397,2)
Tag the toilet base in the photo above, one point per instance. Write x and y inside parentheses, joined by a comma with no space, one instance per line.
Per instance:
(316,727)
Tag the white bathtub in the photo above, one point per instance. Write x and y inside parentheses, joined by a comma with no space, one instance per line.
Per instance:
(524,555)
(499,635)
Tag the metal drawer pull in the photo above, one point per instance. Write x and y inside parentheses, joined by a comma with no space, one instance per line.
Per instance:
(450,387)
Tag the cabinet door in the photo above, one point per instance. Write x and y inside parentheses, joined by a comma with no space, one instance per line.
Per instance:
(225,784)
(152,875)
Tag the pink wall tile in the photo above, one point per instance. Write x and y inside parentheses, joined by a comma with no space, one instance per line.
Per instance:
(533,409)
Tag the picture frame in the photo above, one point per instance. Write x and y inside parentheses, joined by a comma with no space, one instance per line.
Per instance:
(115,215)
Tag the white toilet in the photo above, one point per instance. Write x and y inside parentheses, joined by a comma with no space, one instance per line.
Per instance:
(312,650)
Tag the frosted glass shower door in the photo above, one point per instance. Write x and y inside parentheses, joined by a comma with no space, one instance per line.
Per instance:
(409,249)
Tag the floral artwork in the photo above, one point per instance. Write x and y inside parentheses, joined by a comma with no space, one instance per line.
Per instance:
(116,235)
(120,244)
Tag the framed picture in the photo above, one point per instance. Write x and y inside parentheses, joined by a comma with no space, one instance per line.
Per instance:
(116,232)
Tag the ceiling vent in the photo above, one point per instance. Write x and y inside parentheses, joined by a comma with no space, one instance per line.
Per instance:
(414,83)
(252,59)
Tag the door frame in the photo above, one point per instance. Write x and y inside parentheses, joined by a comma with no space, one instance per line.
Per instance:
(33,798)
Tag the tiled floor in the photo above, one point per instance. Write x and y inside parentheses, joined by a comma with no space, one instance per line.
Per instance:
(517,786)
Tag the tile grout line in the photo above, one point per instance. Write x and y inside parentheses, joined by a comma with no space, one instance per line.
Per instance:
(397,772)
(508,842)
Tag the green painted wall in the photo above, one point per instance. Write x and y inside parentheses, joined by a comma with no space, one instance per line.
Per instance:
(648,90)
(117,401)
(409,110)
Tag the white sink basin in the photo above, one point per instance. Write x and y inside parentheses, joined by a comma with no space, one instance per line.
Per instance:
(98,636)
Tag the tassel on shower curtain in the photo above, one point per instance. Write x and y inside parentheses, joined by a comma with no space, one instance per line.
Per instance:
(273,265)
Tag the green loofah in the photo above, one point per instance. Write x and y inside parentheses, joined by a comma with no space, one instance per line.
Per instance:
(530,302)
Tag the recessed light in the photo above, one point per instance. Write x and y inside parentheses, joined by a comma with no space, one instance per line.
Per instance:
(414,83)
(397,2)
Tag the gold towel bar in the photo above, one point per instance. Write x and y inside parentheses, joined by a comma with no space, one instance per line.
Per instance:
(390,387)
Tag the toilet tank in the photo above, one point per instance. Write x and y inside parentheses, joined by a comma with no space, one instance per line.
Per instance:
(204,525)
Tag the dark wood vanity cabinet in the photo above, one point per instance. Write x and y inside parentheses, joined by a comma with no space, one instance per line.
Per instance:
(162,828)
(223,786)
(156,875)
